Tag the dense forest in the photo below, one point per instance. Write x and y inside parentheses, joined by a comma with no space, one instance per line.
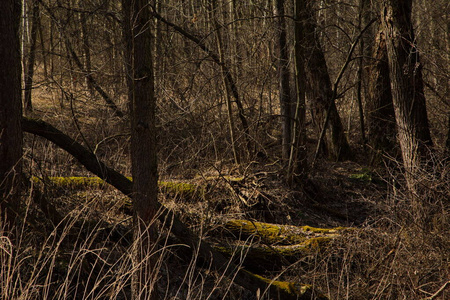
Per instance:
(224,149)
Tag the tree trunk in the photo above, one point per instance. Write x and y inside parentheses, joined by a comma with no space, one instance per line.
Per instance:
(320,92)
(86,51)
(380,110)
(28,106)
(143,147)
(298,163)
(220,51)
(286,108)
(405,73)
(10,110)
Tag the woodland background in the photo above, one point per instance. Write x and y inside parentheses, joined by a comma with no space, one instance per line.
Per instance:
(331,114)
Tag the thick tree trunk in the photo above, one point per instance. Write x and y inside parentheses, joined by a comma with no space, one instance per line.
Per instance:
(143,147)
(320,92)
(405,73)
(380,110)
(10,110)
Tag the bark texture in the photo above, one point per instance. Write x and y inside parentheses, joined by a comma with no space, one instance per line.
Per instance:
(320,91)
(143,147)
(286,103)
(405,71)
(10,109)
(380,110)
(298,163)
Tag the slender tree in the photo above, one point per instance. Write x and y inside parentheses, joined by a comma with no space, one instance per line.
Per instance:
(405,73)
(297,168)
(286,109)
(31,57)
(10,108)
(142,101)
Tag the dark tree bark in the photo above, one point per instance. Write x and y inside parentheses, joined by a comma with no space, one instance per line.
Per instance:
(286,103)
(447,142)
(380,110)
(320,92)
(10,110)
(143,146)
(28,106)
(405,73)
(298,163)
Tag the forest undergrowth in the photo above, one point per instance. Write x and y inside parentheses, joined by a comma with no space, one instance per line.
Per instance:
(388,254)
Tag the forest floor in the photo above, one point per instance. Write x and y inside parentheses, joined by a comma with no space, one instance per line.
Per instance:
(389,256)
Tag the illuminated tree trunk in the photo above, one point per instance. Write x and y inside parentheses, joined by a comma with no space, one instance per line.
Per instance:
(405,73)
(31,58)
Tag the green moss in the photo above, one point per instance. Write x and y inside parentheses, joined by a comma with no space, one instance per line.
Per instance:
(281,234)
(178,188)
(302,291)
(181,189)
(71,182)
(364,175)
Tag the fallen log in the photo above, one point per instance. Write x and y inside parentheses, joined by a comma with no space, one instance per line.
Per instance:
(221,264)
(279,234)
(266,246)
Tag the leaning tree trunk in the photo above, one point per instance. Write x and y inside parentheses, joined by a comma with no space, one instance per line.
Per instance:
(380,110)
(320,91)
(143,146)
(10,110)
(405,72)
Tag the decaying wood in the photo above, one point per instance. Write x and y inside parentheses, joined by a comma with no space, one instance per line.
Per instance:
(218,262)
(266,246)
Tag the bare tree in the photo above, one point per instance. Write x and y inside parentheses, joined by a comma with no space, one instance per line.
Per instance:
(142,101)
(405,73)
(31,57)
(10,108)
(286,109)
(298,163)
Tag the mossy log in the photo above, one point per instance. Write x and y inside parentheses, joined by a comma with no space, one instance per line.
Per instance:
(294,289)
(218,261)
(280,234)
(180,189)
(266,246)
(261,257)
